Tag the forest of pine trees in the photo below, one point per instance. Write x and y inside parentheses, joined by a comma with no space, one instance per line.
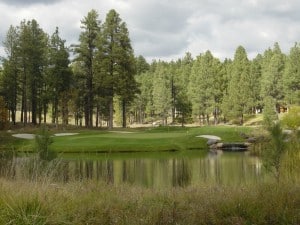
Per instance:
(106,84)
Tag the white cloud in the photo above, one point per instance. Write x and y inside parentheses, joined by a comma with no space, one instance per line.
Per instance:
(166,29)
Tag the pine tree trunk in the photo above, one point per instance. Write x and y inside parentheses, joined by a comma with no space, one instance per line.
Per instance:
(111,113)
(124,113)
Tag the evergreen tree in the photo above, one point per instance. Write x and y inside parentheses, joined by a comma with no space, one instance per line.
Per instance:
(141,100)
(183,105)
(272,72)
(116,64)
(86,55)
(205,90)
(239,88)
(59,77)
(141,65)
(291,76)
(162,98)
(32,52)
(127,86)
(255,84)
(11,72)
(144,101)
(226,68)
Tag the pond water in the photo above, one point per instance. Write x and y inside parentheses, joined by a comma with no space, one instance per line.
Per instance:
(166,169)
(160,169)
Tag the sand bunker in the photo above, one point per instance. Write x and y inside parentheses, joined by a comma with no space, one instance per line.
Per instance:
(122,132)
(24,136)
(213,137)
(32,136)
(65,134)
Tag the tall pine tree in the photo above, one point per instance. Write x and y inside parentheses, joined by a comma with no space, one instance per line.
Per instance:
(86,51)
(239,88)
(291,76)
(116,64)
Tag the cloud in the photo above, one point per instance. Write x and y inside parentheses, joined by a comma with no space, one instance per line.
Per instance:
(157,28)
(25,3)
(164,29)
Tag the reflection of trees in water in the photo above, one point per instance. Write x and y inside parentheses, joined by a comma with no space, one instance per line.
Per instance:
(223,169)
(110,172)
(182,172)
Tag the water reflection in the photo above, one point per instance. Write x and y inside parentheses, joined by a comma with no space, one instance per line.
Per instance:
(226,168)
(163,170)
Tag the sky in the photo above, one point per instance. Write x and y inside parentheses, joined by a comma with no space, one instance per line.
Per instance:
(167,29)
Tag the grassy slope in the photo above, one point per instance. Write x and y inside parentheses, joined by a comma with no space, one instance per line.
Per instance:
(154,139)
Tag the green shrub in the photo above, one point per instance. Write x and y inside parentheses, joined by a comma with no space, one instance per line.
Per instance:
(43,140)
(292,119)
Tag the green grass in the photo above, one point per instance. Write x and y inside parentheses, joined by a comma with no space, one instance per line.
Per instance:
(146,140)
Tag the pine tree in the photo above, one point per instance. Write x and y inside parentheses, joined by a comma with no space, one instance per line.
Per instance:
(205,91)
(291,76)
(86,55)
(162,94)
(11,72)
(226,68)
(239,88)
(32,52)
(272,72)
(59,77)
(141,65)
(182,103)
(255,84)
(116,64)
(183,106)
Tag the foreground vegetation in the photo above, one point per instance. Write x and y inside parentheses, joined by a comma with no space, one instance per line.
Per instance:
(98,203)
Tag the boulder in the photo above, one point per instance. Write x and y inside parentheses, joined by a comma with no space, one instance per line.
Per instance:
(212,142)
(251,139)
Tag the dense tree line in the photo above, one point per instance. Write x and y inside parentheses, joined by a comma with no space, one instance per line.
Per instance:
(207,90)
(38,78)
(105,83)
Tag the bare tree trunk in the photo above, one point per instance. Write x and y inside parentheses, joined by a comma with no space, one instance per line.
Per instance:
(111,113)
(124,114)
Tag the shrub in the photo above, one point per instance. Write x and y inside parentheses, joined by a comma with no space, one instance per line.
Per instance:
(42,144)
(292,118)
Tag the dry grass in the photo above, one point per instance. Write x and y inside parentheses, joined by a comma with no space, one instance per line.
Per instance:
(99,203)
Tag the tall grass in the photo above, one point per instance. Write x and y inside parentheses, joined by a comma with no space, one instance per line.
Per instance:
(99,203)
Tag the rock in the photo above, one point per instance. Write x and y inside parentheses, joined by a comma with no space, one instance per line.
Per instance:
(219,145)
(212,141)
(213,146)
(247,144)
(251,140)
(243,135)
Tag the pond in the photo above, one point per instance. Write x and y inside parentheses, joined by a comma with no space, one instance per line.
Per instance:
(166,169)
(160,169)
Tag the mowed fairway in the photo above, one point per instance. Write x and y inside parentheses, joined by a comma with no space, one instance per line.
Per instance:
(137,140)
(99,141)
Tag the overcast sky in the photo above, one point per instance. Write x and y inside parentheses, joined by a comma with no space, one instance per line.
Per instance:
(166,29)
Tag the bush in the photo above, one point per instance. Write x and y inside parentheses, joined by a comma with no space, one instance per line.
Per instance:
(292,119)
(42,144)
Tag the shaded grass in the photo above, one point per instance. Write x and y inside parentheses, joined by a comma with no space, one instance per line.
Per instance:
(99,203)
(147,140)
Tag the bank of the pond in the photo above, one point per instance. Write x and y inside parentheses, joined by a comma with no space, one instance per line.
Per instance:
(136,140)
(99,203)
